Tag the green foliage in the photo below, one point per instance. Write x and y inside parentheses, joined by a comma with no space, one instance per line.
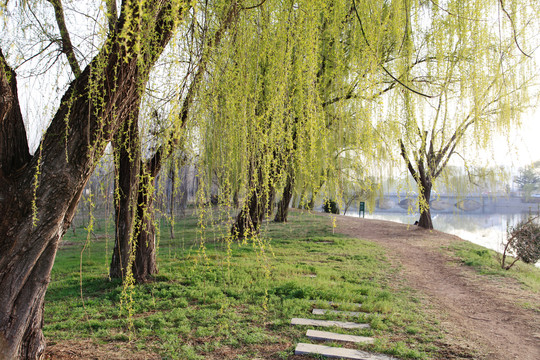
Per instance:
(330,206)
(528,179)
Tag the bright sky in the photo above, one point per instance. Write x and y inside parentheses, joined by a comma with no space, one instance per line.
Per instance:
(522,146)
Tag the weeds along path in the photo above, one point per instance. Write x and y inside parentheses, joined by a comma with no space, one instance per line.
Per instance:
(480,315)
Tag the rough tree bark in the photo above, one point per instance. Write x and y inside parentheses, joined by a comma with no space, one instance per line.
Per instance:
(249,219)
(283,204)
(425,213)
(127,158)
(145,265)
(256,206)
(134,248)
(39,193)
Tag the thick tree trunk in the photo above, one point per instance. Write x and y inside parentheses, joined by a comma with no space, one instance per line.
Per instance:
(39,193)
(249,219)
(283,204)
(144,265)
(134,248)
(127,158)
(425,213)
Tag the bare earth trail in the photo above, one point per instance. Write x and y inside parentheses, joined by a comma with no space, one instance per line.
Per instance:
(480,315)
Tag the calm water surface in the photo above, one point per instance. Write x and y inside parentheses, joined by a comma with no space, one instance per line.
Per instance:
(487,230)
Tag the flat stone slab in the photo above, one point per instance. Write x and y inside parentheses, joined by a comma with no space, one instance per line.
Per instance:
(324,311)
(327,323)
(329,351)
(330,336)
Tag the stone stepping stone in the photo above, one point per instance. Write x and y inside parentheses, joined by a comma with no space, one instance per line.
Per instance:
(324,311)
(343,353)
(327,323)
(330,336)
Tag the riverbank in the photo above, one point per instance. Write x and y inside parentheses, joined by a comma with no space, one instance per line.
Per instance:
(482,309)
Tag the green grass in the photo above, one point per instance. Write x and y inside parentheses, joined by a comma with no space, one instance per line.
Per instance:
(487,262)
(242,302)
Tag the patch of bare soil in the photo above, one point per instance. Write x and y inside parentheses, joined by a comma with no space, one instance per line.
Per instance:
(88,349)
(480,315)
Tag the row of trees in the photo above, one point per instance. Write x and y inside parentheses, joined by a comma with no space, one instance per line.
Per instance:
(528,179)
(273,96)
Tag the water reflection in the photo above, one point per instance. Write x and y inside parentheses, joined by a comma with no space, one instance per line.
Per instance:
(487,230)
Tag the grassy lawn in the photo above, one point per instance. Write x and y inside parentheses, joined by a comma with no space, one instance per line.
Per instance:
(487,262)
(235,300)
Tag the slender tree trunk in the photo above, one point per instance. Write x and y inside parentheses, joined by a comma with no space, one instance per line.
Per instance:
(127,155)
(283,204)
(134,249)
(249,218)
(144,262)
(236,201)
(171,200)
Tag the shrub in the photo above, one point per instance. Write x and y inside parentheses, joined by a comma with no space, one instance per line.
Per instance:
(523,240)
(330,206)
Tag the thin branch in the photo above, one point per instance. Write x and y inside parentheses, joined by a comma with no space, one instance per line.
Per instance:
(254,6)
(67,46)
(513,29)
(406,158)
(351,95)
(456,15)
(154,163)
(382,66)
(406,86)
(112,14)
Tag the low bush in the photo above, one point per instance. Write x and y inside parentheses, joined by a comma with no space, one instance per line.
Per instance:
(523,241)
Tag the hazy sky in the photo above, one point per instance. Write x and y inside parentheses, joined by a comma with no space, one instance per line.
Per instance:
(522,146)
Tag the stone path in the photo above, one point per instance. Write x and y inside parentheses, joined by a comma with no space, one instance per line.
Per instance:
(343,353)
(330,351)
(330,336)
(329,323)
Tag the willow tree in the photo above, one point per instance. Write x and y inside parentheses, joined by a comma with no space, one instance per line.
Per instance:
(264,92)
(336,51)
(268,92)
(40,192)
(135,239)
(464,76)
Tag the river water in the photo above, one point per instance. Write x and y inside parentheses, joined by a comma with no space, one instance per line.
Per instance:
(487,230)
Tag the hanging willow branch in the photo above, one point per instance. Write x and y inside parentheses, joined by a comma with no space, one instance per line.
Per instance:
(514,32)
(381,65)
(166,149)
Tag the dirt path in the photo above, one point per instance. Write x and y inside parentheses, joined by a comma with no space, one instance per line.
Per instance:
(480,315)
